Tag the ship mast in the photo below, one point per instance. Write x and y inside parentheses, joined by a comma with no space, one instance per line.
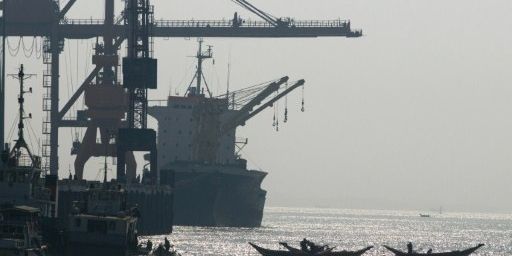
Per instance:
(199,76)
(20,142)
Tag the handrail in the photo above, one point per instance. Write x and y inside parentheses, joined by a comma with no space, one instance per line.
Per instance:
(249,23)
(288,23)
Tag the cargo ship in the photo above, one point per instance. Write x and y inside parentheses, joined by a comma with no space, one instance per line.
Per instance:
(199,152)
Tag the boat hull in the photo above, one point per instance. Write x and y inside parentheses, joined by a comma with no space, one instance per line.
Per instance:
(452,253)
(218,198)
(295,252)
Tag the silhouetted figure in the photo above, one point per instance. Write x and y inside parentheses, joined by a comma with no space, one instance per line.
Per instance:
(429,251)
(167,244)
(149,245)
(304,245)
(314,249)
(409,248)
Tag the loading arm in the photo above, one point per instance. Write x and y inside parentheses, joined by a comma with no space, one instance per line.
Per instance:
(242,118)
(247,108)
(262,96)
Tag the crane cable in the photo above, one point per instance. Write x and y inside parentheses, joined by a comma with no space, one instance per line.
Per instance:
(13,51)
(28,51)
(39,49)
(302,108)
(277,111)
(286,105)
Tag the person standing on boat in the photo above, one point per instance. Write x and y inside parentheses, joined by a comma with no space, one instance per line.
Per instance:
(167,244)
(304,245)
(409,248)
(149,245)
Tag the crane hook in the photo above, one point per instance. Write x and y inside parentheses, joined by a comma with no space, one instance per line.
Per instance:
(303,108)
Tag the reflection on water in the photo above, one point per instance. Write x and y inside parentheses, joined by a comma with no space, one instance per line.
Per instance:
(353,229)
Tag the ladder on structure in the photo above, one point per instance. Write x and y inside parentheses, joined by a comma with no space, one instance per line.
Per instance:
(47,106)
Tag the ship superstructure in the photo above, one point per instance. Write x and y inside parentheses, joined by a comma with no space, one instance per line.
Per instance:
(197,147)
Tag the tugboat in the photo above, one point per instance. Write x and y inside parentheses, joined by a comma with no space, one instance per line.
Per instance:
(103,224)
(24,198)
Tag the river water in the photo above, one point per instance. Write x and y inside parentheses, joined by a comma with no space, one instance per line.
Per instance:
(353,229)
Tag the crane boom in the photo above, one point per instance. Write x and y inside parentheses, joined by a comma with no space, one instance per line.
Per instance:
(247,108)
(246,115)
(263,95)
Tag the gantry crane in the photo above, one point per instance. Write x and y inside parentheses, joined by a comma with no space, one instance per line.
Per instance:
(46,18)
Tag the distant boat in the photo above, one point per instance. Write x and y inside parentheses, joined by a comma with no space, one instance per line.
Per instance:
(430,253)
(297,252)
(424,215)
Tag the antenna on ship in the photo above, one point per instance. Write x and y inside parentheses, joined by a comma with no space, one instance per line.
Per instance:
(229,76)
(199,76)
(16,151)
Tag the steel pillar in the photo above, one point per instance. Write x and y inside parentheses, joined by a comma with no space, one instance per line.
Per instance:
(2,87)
(54,116)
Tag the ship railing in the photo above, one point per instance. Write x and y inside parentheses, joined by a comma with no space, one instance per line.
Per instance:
(225,23)
(157,103)
(24,161)
(82,21)
(337,23)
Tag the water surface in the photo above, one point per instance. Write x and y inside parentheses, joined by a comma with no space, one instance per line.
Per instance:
(354,229)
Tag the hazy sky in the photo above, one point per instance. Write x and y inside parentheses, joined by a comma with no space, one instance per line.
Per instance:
(417,114)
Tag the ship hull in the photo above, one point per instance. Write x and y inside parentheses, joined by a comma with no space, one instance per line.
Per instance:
(218,197)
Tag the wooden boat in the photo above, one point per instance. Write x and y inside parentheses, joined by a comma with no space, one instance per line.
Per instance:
(296,252)
(452,253)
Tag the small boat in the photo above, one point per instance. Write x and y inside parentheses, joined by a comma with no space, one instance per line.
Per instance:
(298,252)
(424,215)
(430,253)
